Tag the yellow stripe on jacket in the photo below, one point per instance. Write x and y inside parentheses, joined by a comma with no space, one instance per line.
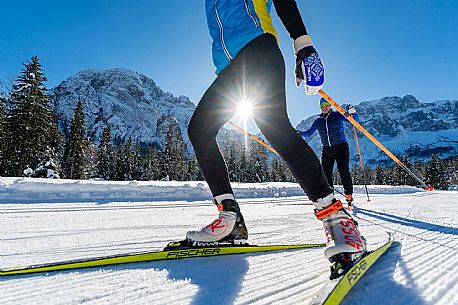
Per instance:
(260,6)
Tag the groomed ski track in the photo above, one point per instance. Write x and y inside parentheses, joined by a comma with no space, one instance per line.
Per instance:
(419,269)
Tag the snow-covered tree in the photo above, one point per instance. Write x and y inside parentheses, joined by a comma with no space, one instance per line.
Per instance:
(3,144)
(106,163)
(137,168)
(231,156)
(356,175)
(435,174)
(125,158)
(29,124)
(74,163)
(451,170)
(91,158)
(380,175)
(174,154)
(258,164)
(46,169)
(151,163)
(193,172)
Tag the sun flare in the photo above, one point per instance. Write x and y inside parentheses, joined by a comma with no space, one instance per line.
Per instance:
(244,109)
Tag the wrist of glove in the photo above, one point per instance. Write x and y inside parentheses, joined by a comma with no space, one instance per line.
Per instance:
(309,67)
(351,110)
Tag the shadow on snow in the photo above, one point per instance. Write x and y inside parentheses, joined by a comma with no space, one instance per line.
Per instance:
(379,283)
(408,222)
(218,279)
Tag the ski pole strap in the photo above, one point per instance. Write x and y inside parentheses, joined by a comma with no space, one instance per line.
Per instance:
(333,208)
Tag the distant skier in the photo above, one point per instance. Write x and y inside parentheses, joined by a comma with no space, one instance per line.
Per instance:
(250,66)
(335,146)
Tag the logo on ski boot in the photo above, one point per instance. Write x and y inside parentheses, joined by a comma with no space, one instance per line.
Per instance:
(216,225)
(351,234)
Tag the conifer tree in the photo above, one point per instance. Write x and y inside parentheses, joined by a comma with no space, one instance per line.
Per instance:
(29,124)
(125,156)
(451,170)
(74,163)
(279,171)
(398,176)
(105,164)
(369,175)
(389,177)
(336,180)
(137,167)
(231,156)
(90,155)
(243,163)
(435,173)
(357,177)
(258,162)
(277,174)
(380,175)
(57,142)
(193,172)
(151,164)
(3,143)
(173,156)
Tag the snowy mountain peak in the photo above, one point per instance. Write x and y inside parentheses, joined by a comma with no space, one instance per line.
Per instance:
(130,103)
(395,116)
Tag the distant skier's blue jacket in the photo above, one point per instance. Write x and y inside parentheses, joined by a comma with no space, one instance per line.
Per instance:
(233,24)
(330,127)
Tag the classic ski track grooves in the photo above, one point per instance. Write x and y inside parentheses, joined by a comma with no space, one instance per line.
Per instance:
(419,269)
(289,276)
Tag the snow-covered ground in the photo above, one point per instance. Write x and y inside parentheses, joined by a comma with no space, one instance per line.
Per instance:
(54,220)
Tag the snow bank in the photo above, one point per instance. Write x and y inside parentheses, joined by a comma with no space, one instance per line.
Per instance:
(37,190)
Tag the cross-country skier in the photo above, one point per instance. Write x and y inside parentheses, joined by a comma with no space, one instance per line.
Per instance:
(335,146)
(250,66)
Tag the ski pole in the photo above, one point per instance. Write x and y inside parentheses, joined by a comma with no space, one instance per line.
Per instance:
(361,163)
(254,137)
(371,137)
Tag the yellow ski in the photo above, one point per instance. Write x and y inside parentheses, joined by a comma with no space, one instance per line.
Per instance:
(151,256)
(337,290)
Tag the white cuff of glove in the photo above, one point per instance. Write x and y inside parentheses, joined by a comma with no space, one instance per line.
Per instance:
(302,42)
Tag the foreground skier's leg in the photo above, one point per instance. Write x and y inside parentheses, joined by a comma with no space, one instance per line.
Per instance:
(345,241)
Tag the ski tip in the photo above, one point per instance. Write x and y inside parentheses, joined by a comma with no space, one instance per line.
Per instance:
(429,188)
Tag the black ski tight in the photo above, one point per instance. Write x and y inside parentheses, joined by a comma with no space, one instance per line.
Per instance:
(257,74)
(340,154)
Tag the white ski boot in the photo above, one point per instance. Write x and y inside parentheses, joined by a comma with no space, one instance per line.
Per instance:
(228,228)
(345,244)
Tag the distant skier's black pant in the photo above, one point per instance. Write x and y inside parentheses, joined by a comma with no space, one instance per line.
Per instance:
(340,154)
(256,74)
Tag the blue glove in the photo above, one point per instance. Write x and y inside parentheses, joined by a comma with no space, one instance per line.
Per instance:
(351,110)
(309,67)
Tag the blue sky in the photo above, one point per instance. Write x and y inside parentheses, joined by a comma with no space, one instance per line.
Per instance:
(370,49)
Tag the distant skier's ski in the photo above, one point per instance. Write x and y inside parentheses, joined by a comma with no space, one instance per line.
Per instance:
(335,291)
(151,256)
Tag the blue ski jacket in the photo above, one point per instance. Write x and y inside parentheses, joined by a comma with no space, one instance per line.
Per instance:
(235,23)
(330,127)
